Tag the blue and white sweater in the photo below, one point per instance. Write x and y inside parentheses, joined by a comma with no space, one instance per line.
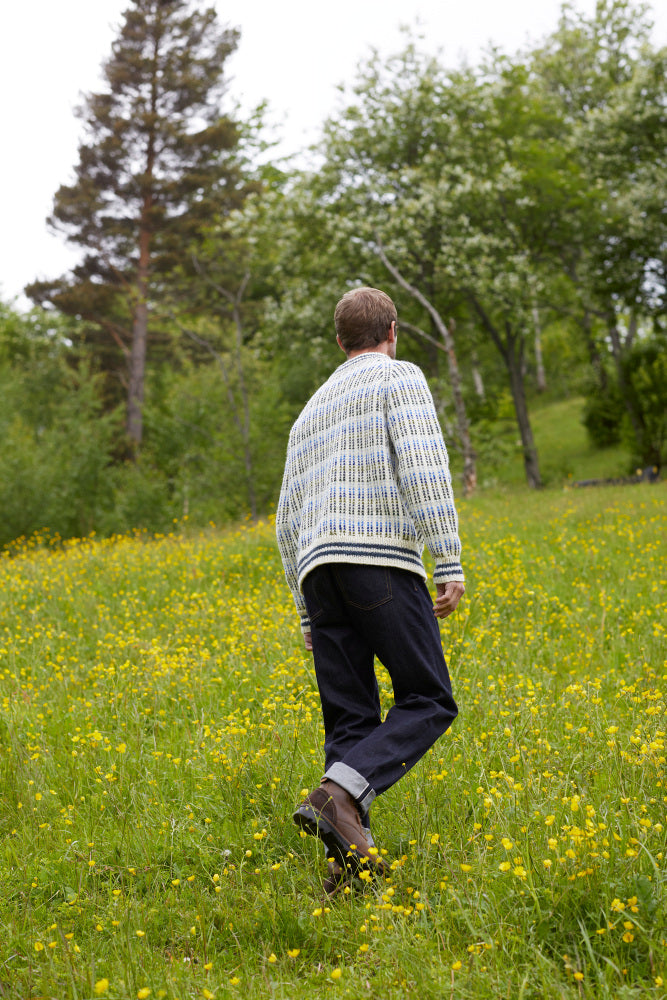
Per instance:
(367,477)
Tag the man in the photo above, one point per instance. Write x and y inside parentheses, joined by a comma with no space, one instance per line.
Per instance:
(366,485)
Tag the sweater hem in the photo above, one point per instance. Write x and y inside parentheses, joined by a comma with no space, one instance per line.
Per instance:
(363,553)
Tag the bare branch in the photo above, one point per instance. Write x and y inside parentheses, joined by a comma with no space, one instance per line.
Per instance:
(233,299)
(411,328)
(416,294)
(447,334)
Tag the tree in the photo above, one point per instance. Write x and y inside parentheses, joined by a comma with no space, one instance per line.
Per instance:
(462,178)
(608,84)
(492,188)
(158,161)
(353,207)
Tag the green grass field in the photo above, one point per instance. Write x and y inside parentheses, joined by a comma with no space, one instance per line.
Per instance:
(160,720)
(565,452)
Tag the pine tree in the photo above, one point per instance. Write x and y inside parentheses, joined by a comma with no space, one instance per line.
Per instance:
(158,162)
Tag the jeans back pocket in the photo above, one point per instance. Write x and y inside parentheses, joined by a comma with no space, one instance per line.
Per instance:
(363,587)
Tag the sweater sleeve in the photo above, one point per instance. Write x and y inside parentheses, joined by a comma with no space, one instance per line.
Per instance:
(422,468)
(287,533)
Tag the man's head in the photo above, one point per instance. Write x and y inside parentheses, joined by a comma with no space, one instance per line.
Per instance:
(364,319)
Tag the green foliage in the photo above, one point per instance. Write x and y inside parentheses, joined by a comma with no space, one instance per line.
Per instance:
(563,441)
(56,445)
(142,499)
(603,414)
(644,371)
(631,404)
(194,440)
(524,192)
(527,186)
(565,359)
(60,471)
(55,452)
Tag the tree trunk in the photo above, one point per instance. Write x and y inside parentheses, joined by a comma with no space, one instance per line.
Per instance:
(614,338)
(633,326)
(539,361)
(513,360)
(245,429)
(135,391)
(593,352)
(477,379)
(446,332)
(511,349)
(463,427)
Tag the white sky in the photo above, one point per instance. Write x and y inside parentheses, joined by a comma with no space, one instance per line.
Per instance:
(293,54)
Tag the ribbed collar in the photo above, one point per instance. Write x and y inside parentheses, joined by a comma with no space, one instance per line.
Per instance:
(364,357)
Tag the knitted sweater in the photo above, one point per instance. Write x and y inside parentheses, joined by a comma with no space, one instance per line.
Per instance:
(367,477)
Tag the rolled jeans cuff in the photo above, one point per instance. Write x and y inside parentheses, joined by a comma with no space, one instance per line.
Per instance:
(354,784)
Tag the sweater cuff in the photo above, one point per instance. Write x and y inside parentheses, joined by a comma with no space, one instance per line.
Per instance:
(447,572)
(304,620)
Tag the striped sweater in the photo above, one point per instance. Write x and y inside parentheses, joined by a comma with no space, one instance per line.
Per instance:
(367,477)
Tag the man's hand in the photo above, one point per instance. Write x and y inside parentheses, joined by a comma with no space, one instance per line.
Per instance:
(308,640)
(449,595)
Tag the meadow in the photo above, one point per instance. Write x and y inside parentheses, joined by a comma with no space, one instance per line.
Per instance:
(160,720)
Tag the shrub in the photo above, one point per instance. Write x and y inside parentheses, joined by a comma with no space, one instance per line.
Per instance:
(603,414)
(54,457)
(645,374)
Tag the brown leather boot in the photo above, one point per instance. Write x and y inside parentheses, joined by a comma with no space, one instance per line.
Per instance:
(331,814)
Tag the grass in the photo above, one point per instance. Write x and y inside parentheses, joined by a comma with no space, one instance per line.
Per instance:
(564,450)
(160,720)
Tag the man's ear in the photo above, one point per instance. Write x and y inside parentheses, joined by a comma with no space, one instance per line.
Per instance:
(340,345)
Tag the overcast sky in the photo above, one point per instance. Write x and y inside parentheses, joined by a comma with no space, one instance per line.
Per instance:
(293,54)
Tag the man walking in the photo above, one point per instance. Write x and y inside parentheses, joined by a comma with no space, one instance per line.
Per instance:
(366,485)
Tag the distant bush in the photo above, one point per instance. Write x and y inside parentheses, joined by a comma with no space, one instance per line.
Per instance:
(632,407)
(194,441)
(603,414)
(141,499)
(60,468)
(55,456)
(645,376)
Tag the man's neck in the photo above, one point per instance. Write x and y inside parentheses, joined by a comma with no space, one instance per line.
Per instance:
(382,348)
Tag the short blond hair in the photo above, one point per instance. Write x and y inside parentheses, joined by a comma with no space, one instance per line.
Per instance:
(363,318)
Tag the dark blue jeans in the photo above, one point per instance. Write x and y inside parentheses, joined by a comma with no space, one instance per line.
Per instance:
(358,612)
